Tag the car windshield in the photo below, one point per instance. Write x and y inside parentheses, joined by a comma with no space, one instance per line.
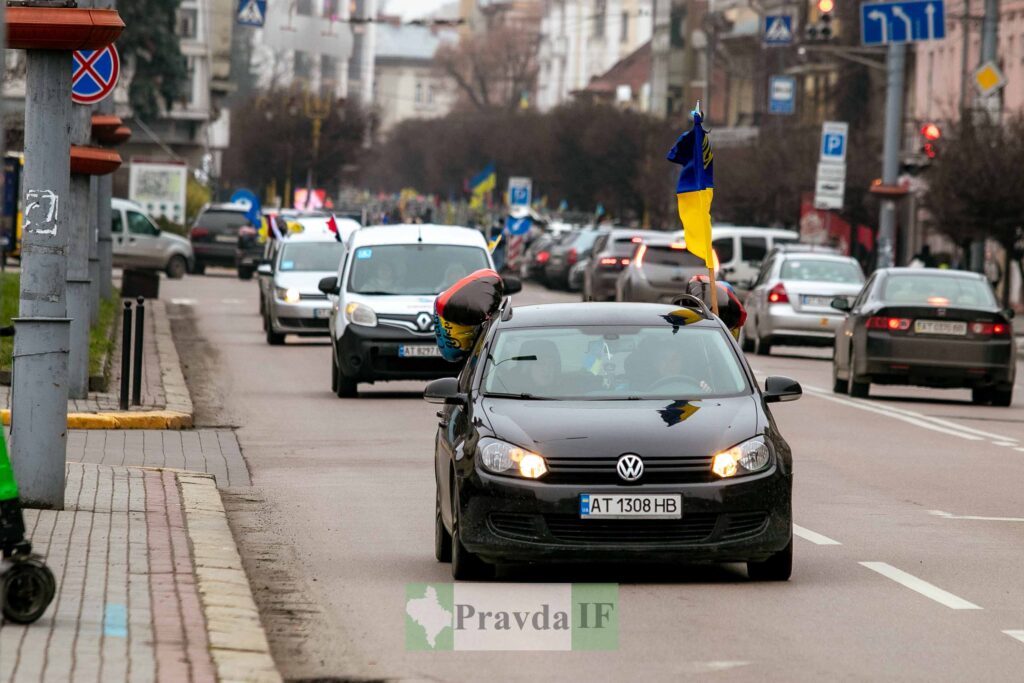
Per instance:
(615,362)
(937,290)
(410,269)
(311,256)
(666,255)
(222,220)
(822,270)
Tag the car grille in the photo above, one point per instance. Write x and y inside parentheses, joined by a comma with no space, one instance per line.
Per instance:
(692,528)
(514,524)
(312,297)
(408,322)
(657,470)
(305,323)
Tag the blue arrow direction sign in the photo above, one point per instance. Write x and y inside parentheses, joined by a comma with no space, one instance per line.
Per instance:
(518,226)
(778,29)
(902,22)
(781,94)
(252,12)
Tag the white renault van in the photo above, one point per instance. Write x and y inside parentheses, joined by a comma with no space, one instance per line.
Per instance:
(382,320)
(742,249)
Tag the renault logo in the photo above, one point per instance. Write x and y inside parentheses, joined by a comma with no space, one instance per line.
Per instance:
(424,321)
(630,467)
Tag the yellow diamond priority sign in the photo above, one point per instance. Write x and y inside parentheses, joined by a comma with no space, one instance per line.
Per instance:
(988,79)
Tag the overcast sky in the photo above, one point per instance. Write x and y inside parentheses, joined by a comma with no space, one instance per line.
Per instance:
(410,9)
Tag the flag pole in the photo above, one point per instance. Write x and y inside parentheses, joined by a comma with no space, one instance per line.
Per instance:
(711,268)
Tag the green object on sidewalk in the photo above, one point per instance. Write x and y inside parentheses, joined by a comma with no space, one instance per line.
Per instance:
(8,486)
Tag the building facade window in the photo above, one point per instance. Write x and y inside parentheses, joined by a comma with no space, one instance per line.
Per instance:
(624,34)
(600,13)
(188,22)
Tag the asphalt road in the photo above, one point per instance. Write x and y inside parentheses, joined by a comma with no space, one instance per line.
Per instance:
(908,504)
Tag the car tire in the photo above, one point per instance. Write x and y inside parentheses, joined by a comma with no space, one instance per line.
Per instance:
(245,273)
(855,388)
(746,343)
(199,268)
(465,565)
(442,539)
(764,347)
(981,395)
(177,266)
(1002,397)
(778,567)
(274,338)
(335,373)
(343,386)
(839,386)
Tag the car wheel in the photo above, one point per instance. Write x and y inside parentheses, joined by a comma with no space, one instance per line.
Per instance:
(199,268)
(764,347)
(465,565)
(746,343)
(853,387)
(1002,397)
(343,386)
(245,273)
(334,373)
(442,539)
(274,338)
(839,386)
(981,395)
(177,266)
(778,567)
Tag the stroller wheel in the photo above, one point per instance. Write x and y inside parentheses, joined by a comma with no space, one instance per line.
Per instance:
(27,587)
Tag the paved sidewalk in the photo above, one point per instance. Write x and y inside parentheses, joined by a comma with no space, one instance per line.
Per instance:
(150,586)
(165,396)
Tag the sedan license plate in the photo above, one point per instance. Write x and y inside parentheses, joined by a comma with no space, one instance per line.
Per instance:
(950,327)
(418,351)
(822,301)
(631,506)
(321,313)
(231,239)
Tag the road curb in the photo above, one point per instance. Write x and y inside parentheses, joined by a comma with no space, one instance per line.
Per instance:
(147,419)
(176,393)
(238,643)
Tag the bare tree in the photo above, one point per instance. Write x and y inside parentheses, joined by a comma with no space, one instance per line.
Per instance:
(493,69)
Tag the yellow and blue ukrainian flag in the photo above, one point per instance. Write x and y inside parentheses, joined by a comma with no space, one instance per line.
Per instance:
(695,188)
(482,183)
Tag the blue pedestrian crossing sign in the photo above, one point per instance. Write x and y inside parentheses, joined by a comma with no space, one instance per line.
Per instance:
(778,29)
(782,94)
(252,12)
(909,21)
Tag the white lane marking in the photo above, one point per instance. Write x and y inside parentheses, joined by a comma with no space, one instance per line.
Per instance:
(920,586)
(1004,443)
(232,301)
(950,515)
(184,302)
(959,428)
(712,666)
(896,415)
(1013,633)
(813,536)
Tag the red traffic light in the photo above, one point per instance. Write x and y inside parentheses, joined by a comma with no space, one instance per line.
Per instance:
(826,6)
(929,150)
(930,131)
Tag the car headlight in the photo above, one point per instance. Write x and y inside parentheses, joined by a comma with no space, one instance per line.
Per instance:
(289,295)
(745,458)
(504,458)
(360,314)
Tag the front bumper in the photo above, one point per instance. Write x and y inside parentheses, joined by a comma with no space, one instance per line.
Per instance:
(368,354)
(937,362)
(301,318)
(785,325)
(503,519)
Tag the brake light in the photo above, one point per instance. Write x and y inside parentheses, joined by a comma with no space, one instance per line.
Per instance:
(639,257)
(200,232)
(636,240)
(624,261)
(572,256)
(989,329)
(678,246)
(881,322)
(778,295)
(938,301)
(608,261)
(543,256)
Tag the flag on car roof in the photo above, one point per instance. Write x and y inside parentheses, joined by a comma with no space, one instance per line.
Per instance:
(332,225)
(695,188)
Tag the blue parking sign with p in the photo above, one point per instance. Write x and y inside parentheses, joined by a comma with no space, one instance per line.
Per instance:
(833,145)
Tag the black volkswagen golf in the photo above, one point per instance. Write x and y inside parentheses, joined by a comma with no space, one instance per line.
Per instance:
(610,432)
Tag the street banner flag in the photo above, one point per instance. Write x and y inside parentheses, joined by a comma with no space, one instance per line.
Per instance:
(332,225)
(482,183)
(694,191)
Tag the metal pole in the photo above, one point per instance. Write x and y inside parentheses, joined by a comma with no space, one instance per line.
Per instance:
(39,392)
(104,183)
(140,316)
(94,254)
(989,46)
(78,261)
(965,29)
(891,150)
(126,353)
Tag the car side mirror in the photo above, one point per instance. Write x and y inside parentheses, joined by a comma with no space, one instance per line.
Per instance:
(841,303)
(512,284)
(329,285)
(781,389)
(444,390)
(264,269)
(1008,313)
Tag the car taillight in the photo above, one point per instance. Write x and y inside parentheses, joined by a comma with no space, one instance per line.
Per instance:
(543,256)
(990,329)
(639,256)
(572,256)
(778,295)
(612,262)
(882,322)
(200,232)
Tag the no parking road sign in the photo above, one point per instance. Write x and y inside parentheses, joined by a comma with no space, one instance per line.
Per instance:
(94,74)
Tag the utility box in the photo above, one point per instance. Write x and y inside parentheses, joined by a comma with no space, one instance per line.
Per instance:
(144,283)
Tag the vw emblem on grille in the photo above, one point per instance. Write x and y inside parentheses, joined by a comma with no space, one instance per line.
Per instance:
(424,322)
(630,467)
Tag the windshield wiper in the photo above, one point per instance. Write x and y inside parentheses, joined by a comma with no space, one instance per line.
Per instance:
(524,396)
(378,293)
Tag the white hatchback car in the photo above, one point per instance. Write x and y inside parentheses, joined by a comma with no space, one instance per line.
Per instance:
(382,324)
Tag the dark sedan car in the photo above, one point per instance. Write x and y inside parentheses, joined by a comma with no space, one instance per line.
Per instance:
(571,249)
(927,327)
(223,236)
(591,432)
(612,253)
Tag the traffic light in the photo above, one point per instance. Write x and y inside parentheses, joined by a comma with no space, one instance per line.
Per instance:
(821,30)
(931,133)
